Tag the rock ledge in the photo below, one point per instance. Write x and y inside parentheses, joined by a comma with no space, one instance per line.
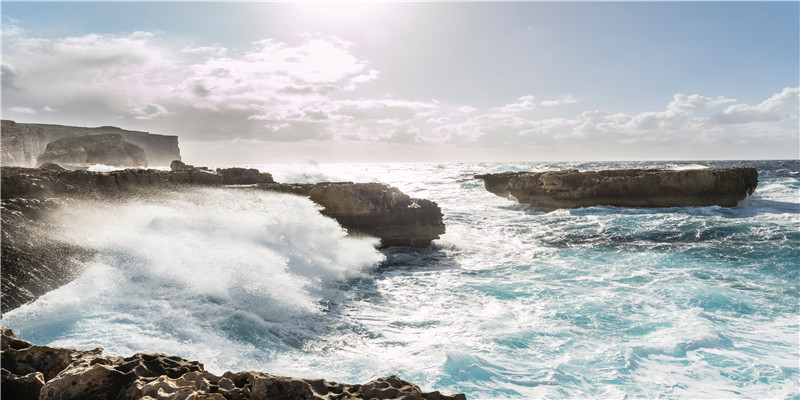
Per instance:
(626,187)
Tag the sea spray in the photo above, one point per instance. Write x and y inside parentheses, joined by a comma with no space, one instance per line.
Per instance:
(196,266)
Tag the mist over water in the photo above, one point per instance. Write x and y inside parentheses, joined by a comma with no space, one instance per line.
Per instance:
(509,303)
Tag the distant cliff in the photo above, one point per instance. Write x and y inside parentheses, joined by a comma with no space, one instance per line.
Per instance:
(23,143)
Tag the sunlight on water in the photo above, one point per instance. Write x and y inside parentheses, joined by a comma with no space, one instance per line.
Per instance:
(509,303)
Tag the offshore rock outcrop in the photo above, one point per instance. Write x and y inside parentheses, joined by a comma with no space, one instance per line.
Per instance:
(374,209)
(23,143)
(35,263)
(625,188)
(39,372)
(84,151)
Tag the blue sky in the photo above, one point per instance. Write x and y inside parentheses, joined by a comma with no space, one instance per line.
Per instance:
(254,82)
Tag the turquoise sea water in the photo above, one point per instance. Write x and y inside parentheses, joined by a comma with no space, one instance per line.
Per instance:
(597,302)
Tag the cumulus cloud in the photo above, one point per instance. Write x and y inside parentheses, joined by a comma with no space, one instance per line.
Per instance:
(780,107)
(525,103)
(566,99)
(22,110)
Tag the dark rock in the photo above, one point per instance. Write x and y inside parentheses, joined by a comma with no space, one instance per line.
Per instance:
(34,261)
(374,209)
(23,143)
(625,188)
(52,167)
(83,151)
(178,165)
(40,372)
(243,176)
(21,387)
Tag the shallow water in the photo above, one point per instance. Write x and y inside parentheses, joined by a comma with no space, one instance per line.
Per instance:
(509,303)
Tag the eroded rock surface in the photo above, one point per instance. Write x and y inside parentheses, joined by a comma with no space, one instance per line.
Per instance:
(48,373)
(84,151)
(374,209)
(626,188)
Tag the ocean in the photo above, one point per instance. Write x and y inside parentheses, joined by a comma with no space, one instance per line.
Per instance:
(510,303)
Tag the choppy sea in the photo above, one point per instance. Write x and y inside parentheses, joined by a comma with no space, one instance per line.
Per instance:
(511,303)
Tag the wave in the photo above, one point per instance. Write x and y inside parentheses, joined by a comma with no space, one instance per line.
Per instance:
(206,265)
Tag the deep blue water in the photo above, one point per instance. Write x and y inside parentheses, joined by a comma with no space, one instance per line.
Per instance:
(510,303)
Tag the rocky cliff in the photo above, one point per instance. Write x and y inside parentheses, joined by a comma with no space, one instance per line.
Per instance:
(23,143)
(44,373)
(84,151)
(625,188)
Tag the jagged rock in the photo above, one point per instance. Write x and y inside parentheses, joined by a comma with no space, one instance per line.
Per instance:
(243,176)
(83,151)
(178,165)
(23,143)
(625,188)
(374,209)
(52,167)
(48,373)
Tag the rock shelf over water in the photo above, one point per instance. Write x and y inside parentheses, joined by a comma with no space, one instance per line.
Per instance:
(625,187)
(39,372)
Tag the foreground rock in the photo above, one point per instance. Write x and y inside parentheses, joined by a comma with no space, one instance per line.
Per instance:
(23,143)
(40,372)
(84,151)
(625,188)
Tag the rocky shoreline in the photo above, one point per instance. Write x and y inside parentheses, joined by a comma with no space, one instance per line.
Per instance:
(35,263)
(625,188)
(31,372)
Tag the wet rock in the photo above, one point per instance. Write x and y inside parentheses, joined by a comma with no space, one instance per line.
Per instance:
(47,373)
(34,260)
(625,188)
(374,209)
(243,176)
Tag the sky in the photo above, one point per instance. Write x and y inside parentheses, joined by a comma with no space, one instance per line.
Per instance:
(251,83)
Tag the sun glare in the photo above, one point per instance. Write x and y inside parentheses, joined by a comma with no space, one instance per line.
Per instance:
(339,13)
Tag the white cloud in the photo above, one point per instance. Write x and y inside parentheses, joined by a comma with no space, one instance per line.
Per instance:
(525,103)
(780,107)
(22,110)
(309,91)
(566,99)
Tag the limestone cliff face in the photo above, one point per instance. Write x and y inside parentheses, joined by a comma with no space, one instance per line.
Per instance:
(625,188)
(23,143)
(83,151)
